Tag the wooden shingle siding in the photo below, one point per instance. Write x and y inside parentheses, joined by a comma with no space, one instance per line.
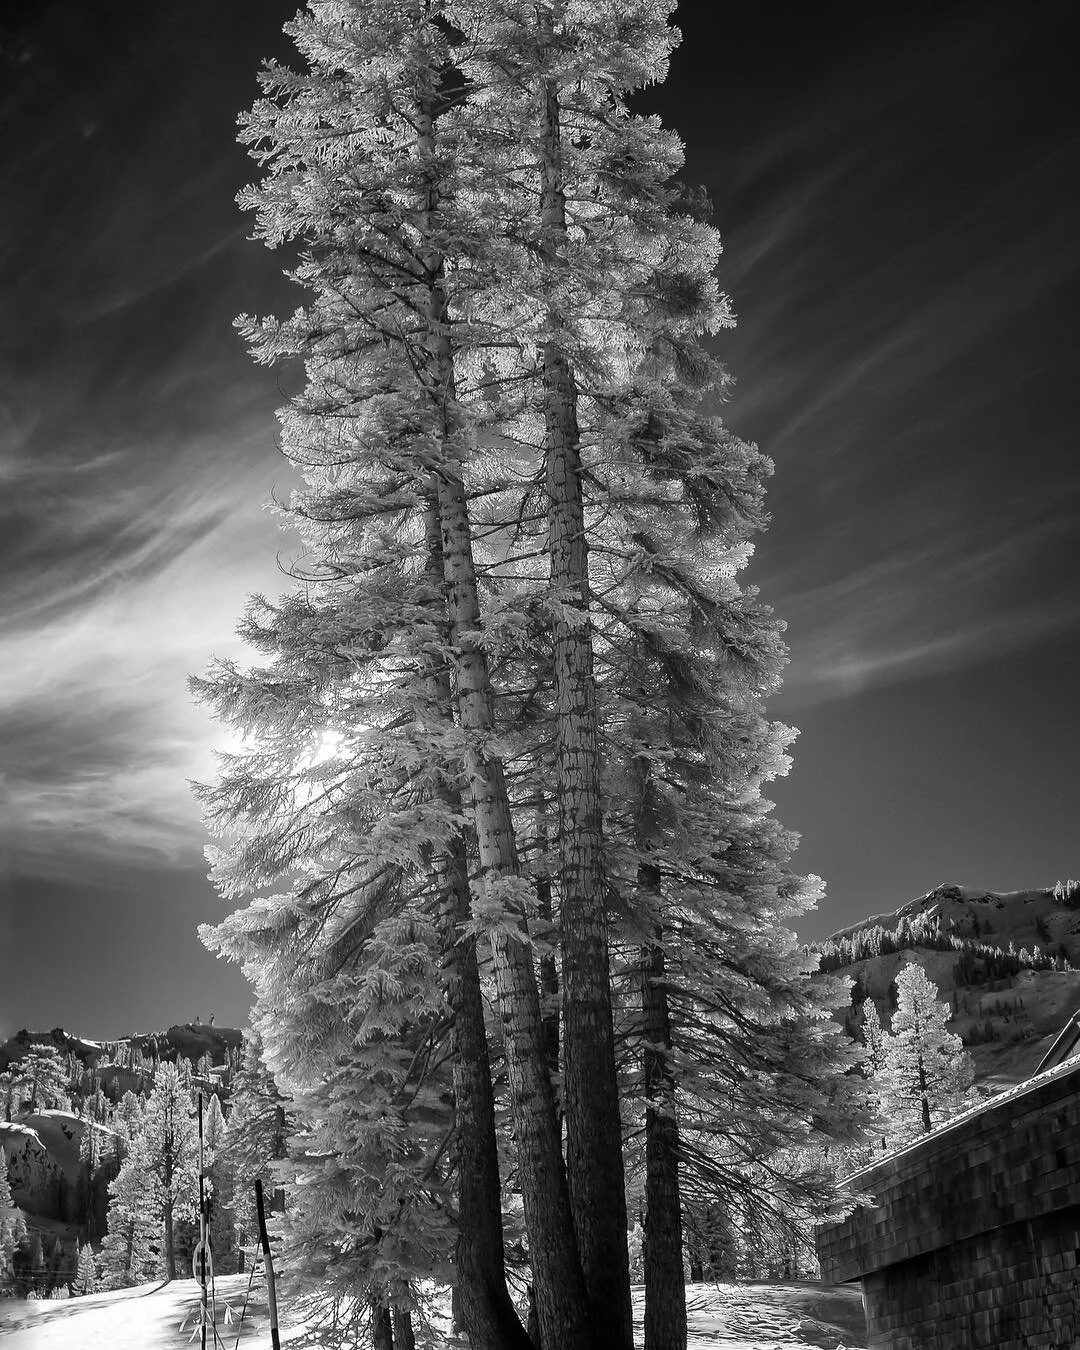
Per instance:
(975,1237)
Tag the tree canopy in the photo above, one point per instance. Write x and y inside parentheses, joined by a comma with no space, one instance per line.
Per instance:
(506,743)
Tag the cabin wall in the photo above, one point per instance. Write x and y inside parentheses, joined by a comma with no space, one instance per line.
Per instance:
(974,1240)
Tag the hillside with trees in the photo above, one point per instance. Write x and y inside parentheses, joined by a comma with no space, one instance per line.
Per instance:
(99,1142)
(1007,963)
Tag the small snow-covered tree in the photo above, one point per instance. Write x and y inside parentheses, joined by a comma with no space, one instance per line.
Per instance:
(12,1222)
(256,1134)
(213,1124)
(927,1074)
(129,1115)
(170,1144)
(219,1186)
(97,1166)
(131,1248)
(85,1272)
(874,1037)
(157,1186)
(10,1092)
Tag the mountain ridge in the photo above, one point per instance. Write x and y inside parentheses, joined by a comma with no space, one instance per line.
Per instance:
(1008,963)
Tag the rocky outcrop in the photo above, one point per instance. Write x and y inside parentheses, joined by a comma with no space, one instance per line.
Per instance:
(38,1182)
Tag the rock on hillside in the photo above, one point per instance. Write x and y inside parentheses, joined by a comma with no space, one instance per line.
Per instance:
(42,1154)
(37,1179)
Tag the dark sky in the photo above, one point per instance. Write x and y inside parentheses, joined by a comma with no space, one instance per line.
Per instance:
(896,185)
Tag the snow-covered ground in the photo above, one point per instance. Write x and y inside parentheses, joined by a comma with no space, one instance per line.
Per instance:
(159,1316)
(150,1316)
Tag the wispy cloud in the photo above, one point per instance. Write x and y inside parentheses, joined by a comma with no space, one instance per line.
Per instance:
(100,736)
(899,354)
(931,604)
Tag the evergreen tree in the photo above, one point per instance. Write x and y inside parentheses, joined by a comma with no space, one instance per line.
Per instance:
(258,1128)
(169,1144)
(927,1074)
(86,1272)
(130,1251)
(42,1078)
(650,504)
(521,524)
(10,1092)
(380,518)
(256,1138)
(129,1116)
(213,1123)
(95,1171)
(157,1186)
(12,1222)
(219,1187)
(874,1037)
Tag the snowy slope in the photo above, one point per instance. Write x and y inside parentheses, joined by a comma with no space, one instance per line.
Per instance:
(150,1316)
(737,1317)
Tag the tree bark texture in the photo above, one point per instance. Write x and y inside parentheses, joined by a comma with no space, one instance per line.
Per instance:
(382,1328)
(486,1309)
(665,1291)
(557,1276)
(560,1291)
(547,965)
(403,1330)
(170,1242)
(168,1168)
(590,1085)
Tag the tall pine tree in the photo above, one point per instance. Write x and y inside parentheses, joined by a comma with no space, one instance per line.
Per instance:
(379,441)
(522,528)
(927,1075)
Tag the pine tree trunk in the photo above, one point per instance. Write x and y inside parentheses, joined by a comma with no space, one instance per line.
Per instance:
(548,968)
(403,1331)
(665,1291)
(170,1241)
(560,1289)
(487,1311)
(590,1086)
(382,1329)
(924,1090)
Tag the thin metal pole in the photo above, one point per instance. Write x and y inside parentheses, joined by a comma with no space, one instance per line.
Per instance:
(202,1222)
(268,1259)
